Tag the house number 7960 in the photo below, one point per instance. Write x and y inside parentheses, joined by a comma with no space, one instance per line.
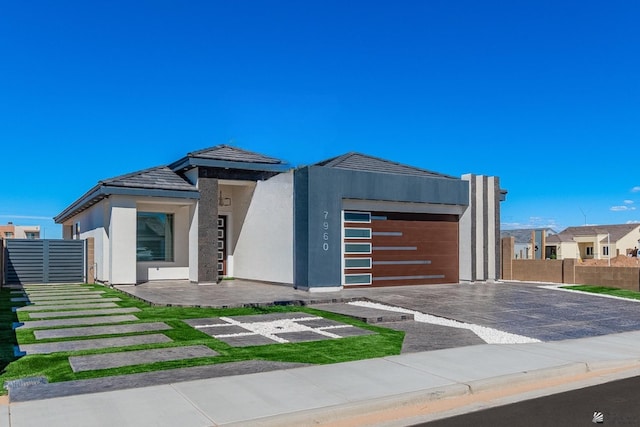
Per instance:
(325,234)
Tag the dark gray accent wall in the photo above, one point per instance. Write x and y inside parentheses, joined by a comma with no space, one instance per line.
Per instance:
(301,228)
(208,230)
(318,195)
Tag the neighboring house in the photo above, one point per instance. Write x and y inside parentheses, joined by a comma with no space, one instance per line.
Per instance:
(595,242)
(353,220)
(11,231)
(528,242)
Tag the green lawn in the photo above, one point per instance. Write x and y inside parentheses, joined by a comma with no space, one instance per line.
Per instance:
(55,367)
(623,293)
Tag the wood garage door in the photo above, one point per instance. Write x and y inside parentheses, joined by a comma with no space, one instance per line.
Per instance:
(390,249)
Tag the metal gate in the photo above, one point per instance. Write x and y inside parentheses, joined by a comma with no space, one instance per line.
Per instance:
(44,261)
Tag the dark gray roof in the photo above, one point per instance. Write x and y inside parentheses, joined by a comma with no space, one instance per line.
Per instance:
(158,181)
(227,157)
(523,235)
(615,231)
(366,163)
(154,178)
(233,154)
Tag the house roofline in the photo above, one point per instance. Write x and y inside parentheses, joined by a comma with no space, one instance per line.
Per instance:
(103,191)
(187,163)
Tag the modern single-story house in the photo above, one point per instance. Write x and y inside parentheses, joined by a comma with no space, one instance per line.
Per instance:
(353,220)
(594,242)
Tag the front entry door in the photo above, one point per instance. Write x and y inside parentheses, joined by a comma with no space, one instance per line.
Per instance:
(222,245)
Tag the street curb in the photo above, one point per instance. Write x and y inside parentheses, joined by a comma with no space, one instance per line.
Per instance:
(423,398)
(329,414)
(527,377)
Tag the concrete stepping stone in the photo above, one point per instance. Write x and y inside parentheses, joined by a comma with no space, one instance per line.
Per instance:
(49,287)
(93,344)
(100,330)
(20,299)
(64,294)
(140,357)
(247,340)
(72,298)
(365,314)
(73,301)
(38,307)
(58,291)
(50,314)
(76,321)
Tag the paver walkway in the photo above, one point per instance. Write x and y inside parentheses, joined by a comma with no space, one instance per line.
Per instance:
(75,321)
(76,313)
(93,344)
(100,330)
(46,306)
(140,357)
(64,304)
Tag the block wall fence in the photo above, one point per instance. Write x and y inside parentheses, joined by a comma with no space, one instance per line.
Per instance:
(565,271)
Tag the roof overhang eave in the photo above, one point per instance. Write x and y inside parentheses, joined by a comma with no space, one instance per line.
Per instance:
(104,191)
(187,163)
(89,199)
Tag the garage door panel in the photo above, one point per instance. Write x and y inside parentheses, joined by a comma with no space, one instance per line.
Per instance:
(420,252)
(409,249)
(410,270)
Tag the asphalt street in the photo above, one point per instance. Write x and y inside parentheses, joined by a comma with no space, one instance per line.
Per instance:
(617,401)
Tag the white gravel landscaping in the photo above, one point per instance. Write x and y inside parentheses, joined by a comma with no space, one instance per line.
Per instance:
(489,335)
(270,328)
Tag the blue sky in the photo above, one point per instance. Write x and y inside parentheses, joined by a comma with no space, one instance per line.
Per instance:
(543,94)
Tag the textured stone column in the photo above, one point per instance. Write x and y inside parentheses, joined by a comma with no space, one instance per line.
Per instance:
(208,230)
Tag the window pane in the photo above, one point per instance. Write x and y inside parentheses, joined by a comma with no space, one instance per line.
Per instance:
(357,279)
(154,236)
(357,263)
(357,217)
(357,248)
(357,233)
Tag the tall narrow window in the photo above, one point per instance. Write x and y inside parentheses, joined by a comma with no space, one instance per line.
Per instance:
(605,250)
(154,237)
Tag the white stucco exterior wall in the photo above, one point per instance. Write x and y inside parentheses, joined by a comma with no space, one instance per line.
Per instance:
(465,241)
(122,236)
(479,237)
(492,274)
(477,228)
(264,250)
(193,243)
(93,222)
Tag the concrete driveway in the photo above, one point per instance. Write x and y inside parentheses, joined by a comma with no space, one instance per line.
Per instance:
(520,308)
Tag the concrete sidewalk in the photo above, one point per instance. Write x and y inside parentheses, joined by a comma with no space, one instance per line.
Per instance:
(324,394)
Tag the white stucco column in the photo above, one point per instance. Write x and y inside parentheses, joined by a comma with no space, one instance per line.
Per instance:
(122,241)
(193,242)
